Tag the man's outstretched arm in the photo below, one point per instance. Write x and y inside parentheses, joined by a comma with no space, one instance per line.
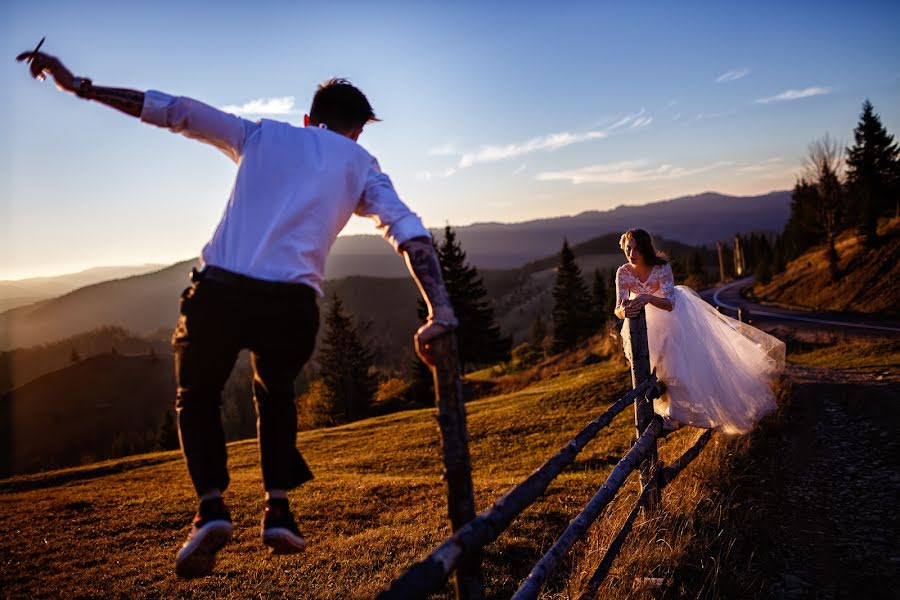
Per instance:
(189,117)
(426,271)
(129,102)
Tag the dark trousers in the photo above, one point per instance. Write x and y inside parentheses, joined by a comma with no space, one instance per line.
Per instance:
(219,317)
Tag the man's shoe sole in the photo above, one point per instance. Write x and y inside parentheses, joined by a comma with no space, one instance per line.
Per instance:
(283,541)
(198,556)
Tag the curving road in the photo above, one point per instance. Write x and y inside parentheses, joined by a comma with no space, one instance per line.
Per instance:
(729,299)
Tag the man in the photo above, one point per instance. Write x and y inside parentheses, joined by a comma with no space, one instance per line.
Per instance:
(294,191)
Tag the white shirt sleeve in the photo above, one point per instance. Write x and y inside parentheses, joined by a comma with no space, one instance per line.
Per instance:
(198,121)
(393,219)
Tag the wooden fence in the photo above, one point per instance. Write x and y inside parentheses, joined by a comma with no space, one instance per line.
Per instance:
(460,554)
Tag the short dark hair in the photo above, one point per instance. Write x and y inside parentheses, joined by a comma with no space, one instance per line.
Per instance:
(644,244)
(340,106)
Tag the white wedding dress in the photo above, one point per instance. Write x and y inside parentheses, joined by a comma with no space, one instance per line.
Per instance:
(717,370)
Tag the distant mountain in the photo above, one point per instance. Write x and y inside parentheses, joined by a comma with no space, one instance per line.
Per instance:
(145,303)
(702,219)
(141,304)
(27,291)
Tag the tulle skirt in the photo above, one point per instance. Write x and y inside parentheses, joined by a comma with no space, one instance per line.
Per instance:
(718,371)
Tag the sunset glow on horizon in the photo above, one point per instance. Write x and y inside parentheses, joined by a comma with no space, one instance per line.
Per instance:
(490,113)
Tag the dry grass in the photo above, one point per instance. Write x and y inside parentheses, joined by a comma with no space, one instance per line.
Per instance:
(377,504)
(870,354)
(869,273)
(696,545)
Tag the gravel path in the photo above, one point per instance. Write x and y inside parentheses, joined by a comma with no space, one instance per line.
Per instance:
(834,488)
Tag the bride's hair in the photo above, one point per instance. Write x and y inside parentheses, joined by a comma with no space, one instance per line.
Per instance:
(644,244)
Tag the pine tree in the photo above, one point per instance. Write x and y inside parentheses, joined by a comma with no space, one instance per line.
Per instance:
(344,362)
(572,303)
(478,335)
(872,171)
(600,302)
(538,332)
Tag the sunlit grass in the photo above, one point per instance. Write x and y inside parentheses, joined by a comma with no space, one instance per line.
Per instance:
(377,503)
(877,353)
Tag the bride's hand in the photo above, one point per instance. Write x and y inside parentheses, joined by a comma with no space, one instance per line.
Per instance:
(631,309)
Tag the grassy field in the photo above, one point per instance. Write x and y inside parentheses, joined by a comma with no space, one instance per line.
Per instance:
(864,354)
(377,505)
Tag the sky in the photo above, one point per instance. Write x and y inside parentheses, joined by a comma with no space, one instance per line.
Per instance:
(500,111)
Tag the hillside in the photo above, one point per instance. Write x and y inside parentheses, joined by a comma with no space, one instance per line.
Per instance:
(378,486)
(868,283)
(27,291)
(148,303)
(104,406)
(737,523)
(19,366)
(696,220)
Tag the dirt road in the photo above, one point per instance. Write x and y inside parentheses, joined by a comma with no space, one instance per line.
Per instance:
(827,487)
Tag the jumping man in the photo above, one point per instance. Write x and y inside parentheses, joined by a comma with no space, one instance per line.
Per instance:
(295,189)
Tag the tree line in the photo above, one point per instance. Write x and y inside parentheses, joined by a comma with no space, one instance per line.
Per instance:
(346,386)
(839,189)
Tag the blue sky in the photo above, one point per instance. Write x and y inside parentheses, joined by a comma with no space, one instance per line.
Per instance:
(502,111)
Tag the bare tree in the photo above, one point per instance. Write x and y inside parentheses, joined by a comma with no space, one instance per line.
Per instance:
(819,197)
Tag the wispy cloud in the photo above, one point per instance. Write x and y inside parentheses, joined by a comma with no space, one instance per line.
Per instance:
(543,143)
(554,141)
(714,115)
(285,105)
(762,166)
(795,95)
(640,122)
(629,171)
(627,120)
(519,169)
(732,75)
(429,175)
(445,150)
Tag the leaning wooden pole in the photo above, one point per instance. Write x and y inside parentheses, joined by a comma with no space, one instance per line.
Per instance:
(451,417)
(643,407)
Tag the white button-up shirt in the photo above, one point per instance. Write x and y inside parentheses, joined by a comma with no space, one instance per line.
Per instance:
(296,188)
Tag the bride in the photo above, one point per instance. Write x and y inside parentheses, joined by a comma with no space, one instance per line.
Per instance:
(717,370)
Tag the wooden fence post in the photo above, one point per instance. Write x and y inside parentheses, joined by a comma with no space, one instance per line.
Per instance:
(721,262)
(643,409)
(469,581)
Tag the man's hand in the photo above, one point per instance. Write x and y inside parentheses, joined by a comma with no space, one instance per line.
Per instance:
(425,269)
(41,65)
(425,335)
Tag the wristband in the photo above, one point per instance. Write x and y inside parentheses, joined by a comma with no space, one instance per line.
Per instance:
(83,87)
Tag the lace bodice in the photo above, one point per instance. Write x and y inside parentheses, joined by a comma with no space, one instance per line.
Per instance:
(660,283)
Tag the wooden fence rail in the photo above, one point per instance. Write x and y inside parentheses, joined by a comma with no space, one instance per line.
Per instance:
(428,575)
(665,477)
(461,552)
(579,525)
